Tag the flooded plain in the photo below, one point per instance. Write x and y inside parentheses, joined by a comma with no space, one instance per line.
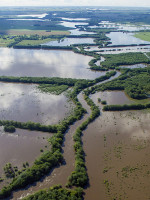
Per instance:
(122,38)
(21,146)
(61,173)
(73,24)
(25,102)
(47,63)
(112,97)
(70,41)
(123,27)
(117,146)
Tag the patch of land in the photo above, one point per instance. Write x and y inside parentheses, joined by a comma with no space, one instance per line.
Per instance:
(33,32)
(143,36)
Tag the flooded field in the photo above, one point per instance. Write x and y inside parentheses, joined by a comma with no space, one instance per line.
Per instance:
(73,24)
(117,149)
(112,97)
(69,41)
(125,27)
(77,32)
(47,63)
(120,38)
(134,66)
(21,146)
(117,50)
(60,174)
(23,102)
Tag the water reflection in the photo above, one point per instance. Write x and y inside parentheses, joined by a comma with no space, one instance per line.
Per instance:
(120,38)
(69,41)
(117,50)
(39,63)
(34,15)
(74,19)
(77,32)
(112,97)
(22,102)
(125,27)
(72,24)
(21,146)
(134,66)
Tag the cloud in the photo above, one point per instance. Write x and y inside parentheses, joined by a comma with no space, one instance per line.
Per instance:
(140,3)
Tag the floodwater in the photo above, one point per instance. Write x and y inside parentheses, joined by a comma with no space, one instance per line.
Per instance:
(134,66)
(25,102)
(112,97)
(69,41)
(125,27)
(117,146)
(47,63)
(120,38)
(117,50)
(21,146)
(77,32)
(74,19)
(73,24)
(34,15)
(60,174)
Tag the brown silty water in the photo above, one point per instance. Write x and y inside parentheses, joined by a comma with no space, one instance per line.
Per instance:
(117,147)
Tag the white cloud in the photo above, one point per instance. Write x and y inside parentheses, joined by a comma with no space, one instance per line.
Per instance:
(140,3)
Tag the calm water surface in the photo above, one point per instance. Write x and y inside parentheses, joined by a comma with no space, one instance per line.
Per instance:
(69,41)
(23,102)
(72,24)
(112,97)
(21,146)
(120,38)
(47,63)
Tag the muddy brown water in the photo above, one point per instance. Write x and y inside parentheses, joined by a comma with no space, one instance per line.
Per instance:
(25,102)
(21,146)
(112,97)
(117,149)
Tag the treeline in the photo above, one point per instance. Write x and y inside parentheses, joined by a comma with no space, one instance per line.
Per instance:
(30,126)
(45,47)
(135,82)
(57,193)
(113,61)
(93,66)
(41,80)
(126,107)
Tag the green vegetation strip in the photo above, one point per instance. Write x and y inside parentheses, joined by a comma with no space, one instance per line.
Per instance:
(57,193)
(79,176)
(53,88)
(126,107)
(135,82)
(30,126)
(113,61)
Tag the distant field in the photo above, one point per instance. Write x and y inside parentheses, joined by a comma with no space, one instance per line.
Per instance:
(143,36)
(34,42)
(5,42)
(33,32)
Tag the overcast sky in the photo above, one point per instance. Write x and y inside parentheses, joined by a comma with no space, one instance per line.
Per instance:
(135,3)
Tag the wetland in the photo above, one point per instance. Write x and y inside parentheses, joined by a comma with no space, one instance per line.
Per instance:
(92,153)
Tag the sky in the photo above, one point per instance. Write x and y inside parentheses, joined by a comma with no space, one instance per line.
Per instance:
(132,3)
